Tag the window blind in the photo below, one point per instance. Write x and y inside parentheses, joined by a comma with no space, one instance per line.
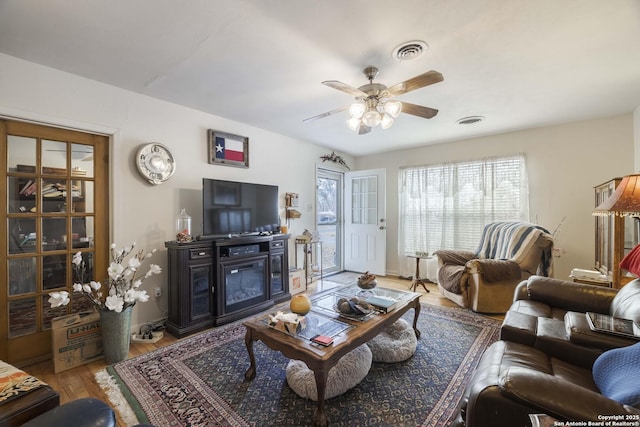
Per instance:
(446,206)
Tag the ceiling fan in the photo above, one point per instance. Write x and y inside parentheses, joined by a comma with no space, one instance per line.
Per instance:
(375,103)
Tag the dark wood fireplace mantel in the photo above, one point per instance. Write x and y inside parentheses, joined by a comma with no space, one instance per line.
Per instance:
(218,281)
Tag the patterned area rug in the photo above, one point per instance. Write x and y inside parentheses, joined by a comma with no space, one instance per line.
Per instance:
(199,381)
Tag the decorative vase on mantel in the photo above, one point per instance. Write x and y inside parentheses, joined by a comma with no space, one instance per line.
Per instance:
(116,335)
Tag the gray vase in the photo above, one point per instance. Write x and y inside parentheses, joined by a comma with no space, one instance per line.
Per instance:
(115,334)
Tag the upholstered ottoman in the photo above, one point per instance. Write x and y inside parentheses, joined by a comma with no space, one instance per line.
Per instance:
(395,343)
(345,375)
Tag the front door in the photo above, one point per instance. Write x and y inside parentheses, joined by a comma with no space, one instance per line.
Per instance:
(365,221)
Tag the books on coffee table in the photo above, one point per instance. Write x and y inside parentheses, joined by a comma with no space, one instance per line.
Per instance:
(383,304)
(613,325)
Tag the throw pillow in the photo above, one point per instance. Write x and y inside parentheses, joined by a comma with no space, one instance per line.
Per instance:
(616,373)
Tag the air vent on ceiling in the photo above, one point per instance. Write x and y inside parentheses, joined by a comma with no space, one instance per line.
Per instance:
(470,120)
(409,50)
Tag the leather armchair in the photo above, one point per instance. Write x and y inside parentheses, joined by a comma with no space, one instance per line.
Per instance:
(485,280)
(513,381)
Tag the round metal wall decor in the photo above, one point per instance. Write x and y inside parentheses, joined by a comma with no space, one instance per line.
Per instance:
(155,163)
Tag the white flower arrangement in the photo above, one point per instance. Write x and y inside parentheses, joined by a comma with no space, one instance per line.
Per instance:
(123,285)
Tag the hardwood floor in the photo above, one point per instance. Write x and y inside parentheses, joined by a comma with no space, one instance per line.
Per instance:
(80,382)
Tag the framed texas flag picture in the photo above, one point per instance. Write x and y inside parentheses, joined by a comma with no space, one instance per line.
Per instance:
(228,149)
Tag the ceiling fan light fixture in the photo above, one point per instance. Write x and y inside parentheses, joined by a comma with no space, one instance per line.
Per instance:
(357,109)
(386,122)
(353,123)
(393,108)
(371,118)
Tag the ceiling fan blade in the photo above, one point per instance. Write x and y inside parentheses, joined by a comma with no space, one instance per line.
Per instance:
(426,79)
(344,87)
(328,113)
(418,110)
(363,129)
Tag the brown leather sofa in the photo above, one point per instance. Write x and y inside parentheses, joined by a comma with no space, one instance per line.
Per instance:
(543,362)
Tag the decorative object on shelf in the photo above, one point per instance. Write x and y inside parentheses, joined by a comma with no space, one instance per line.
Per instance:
(305,237)
(374,104)
(155,163)
(293,213)
(367,281)
(291,201)
(228,149)
(300,304)
(333,157)
(183,227)
(122,293)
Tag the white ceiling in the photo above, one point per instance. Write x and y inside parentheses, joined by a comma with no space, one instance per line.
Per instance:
(520,63)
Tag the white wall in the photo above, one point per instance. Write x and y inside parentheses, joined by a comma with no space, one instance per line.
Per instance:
(141,212)
(636,137)
(564,163)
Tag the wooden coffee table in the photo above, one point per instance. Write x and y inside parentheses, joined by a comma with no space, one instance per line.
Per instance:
(318,358)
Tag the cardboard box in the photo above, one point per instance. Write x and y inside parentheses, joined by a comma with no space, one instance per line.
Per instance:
(76,340)
(296,282)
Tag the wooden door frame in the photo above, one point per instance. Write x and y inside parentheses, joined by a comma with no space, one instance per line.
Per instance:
(100,145)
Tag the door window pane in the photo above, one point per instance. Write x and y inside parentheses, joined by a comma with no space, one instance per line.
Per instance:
(54,157)
(49,313)
(20,151)
(22,275)
(54,271)
(21,195)
(81,230)
(54,233)
(82,199)
(22,317)
(54,195)
(22,235)
(364,203)
(82,160)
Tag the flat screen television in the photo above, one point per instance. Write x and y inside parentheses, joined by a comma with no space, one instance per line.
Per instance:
(235,208)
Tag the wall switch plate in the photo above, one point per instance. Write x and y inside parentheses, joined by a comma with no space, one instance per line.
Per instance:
(157,292)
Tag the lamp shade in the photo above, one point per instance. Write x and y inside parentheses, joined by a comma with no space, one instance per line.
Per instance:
(625,200)
(393,108)
(386,121)
(371,118)
(353,123)
(357,109)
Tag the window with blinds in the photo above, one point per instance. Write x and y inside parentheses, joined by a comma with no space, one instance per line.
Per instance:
(446,206)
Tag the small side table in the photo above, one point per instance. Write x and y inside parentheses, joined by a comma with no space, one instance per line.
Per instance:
(417,280)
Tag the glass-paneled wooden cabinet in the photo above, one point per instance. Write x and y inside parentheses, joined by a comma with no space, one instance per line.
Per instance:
(55,205)
(615,237)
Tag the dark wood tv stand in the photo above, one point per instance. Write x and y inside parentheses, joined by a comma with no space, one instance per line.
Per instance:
(197,283)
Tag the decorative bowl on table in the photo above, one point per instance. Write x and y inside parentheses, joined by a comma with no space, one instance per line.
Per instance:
(367,282)
(353,307)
